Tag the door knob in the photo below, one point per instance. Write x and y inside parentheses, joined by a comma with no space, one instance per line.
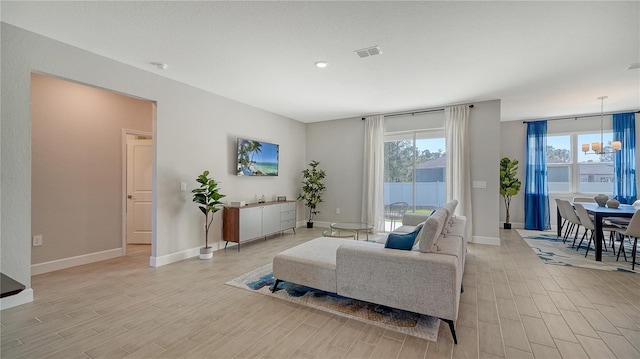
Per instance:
(130,196)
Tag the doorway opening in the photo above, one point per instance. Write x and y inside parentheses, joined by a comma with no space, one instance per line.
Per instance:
(77,200)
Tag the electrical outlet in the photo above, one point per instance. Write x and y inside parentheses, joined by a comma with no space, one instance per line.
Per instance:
(337,210)
(37,240)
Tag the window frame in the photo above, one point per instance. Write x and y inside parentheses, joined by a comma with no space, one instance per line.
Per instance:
(414,136)
(574,165)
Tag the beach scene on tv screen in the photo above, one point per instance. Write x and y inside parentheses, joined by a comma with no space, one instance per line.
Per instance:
(256,158)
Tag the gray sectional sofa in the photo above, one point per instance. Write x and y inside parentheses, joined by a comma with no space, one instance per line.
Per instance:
(426,279)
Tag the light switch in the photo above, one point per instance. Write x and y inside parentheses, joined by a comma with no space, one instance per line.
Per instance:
(183,186)
(479,184)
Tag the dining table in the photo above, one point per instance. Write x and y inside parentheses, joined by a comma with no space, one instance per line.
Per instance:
(599,214)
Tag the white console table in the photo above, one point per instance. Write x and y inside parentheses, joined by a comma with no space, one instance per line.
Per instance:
(257,220)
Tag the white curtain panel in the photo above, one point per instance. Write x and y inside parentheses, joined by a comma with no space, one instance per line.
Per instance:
(458,161)
(373,173)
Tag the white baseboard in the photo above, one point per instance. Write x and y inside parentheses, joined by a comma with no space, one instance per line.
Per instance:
(24,297)
(514,225)
(173,257)
(485,240)
(520,225)
(185,254)
(58,264)
(316,224)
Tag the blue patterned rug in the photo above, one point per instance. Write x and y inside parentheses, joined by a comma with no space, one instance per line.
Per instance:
(261,280)
(551,250)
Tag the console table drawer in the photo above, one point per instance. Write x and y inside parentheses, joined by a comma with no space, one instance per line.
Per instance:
(288,206)
(290,223)
(287,215)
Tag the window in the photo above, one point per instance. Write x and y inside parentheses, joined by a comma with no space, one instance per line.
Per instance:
(570,170)
(414,170)
(559,163)
(595,172)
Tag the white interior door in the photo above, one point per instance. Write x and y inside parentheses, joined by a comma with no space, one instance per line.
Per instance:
(139,155)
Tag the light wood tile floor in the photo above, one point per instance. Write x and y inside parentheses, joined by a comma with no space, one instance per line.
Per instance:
(513,306)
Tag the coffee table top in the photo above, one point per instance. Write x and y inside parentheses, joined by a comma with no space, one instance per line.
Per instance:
(352,226)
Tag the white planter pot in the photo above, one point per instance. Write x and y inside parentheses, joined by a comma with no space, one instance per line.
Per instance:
(206,253)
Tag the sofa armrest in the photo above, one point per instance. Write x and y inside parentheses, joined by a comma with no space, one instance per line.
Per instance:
(425,283)
(413,219)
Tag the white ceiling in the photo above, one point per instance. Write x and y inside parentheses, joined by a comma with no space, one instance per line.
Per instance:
(542,59)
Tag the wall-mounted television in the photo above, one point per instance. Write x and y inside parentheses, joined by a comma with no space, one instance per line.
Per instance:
(257,158)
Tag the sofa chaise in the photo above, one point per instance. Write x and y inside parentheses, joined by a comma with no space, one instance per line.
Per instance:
(427,279)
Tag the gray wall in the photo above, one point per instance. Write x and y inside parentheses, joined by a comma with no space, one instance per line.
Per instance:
(194,130)
(338,145)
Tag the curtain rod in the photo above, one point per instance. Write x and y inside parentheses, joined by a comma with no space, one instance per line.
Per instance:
(414,112)
(577,117)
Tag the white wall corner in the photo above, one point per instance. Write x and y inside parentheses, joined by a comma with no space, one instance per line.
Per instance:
(486,240)
(64,263)
(24,297)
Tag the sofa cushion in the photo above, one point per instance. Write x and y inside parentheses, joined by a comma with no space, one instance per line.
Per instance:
(401,241)
(404,229)
(451,208)
(311,263)
(413,219)
(432,230)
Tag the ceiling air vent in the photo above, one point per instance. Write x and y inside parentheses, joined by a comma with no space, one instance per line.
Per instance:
(369,51)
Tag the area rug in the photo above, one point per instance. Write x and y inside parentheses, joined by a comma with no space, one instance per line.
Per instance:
(261,280)
(550,249)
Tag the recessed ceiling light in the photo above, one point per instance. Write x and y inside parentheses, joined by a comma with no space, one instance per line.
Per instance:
(634,66)
(160,65)
(322,64)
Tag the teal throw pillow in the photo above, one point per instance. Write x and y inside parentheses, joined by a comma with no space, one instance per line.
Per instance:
(403,241)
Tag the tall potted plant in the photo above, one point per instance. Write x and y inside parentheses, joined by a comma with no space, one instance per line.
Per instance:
(509,184)
(312,188)
(208,199)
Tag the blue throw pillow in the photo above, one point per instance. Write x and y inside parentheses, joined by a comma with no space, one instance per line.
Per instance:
(401,241)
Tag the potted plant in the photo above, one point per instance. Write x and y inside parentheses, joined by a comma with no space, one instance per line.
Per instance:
(509,184)
(208,199)
(312,188)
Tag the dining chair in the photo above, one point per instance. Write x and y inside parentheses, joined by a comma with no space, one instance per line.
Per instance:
(572,218)
(623,221)
(563,217)
(588,224)
(632,230)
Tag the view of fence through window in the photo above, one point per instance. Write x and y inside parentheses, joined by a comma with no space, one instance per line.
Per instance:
(414,174)
(570,170)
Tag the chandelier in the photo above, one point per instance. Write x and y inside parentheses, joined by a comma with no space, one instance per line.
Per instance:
(598,147)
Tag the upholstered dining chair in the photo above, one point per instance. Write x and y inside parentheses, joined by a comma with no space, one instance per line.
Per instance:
(623,221)
(563,223)
(632,230)
(572,219)
(588,224)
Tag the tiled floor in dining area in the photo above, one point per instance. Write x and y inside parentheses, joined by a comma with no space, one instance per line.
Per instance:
(513,306)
